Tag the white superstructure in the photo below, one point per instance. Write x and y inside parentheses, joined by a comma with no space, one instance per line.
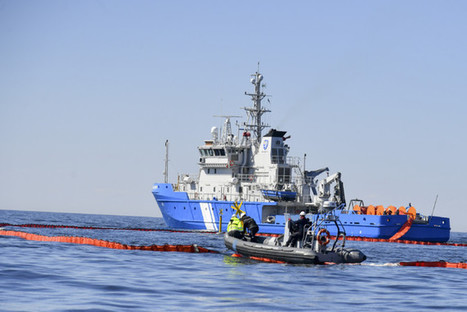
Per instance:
(243,167)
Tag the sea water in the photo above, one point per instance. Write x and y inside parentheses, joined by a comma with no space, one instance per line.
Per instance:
(52,276)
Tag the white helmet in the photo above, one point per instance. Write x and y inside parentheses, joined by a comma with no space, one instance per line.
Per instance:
(242,214)
(234,215)
(302,213)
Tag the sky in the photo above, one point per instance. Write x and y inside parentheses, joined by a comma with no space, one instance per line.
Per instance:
(90,91)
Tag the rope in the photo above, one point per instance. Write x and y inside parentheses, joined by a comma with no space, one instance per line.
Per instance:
(105,244)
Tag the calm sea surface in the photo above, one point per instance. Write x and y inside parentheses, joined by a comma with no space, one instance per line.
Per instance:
(51,276)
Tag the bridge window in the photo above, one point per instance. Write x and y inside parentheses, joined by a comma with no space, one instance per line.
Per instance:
(219,152)
(277,156)
(284,175)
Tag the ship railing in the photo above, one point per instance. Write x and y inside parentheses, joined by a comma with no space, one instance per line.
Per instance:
(224,196)
(245,177)
(289,160)
(278,159)
(187,178)
(293,161)
(183,182)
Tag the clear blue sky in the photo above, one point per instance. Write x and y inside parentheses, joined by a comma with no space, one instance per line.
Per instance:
(90,91)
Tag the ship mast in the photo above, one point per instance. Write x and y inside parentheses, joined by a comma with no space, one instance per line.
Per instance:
(256,112)
(166,171)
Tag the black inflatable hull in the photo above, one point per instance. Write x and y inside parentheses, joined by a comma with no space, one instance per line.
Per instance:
(265,248)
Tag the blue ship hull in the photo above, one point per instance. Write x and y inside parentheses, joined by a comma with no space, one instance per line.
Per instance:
(181,212)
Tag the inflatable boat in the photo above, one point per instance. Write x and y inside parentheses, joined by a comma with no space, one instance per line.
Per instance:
(315,247)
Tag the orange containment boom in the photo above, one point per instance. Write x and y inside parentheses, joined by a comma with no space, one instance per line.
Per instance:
(391,210)
(401,210)
(439,264)
(56,226)
(380,211)
(412,212)
(106,244)
(403,230)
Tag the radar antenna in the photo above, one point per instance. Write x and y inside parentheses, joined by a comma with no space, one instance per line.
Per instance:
(227,135)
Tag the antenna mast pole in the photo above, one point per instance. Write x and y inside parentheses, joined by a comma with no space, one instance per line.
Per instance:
(166,171)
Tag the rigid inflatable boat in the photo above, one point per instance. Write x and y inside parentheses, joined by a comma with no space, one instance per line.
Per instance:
(315,247)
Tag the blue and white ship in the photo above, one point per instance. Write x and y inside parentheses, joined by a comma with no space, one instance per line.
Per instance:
(257,171)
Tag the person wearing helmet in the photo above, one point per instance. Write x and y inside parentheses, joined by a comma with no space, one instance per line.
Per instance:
(249,223)
(235,227)
(296,228)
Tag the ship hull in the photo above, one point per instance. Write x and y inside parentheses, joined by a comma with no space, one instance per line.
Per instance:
(181,212)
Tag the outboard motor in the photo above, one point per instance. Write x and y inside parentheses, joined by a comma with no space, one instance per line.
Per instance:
(351,255)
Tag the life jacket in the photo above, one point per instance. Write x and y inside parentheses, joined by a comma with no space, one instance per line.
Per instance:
(235,224)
